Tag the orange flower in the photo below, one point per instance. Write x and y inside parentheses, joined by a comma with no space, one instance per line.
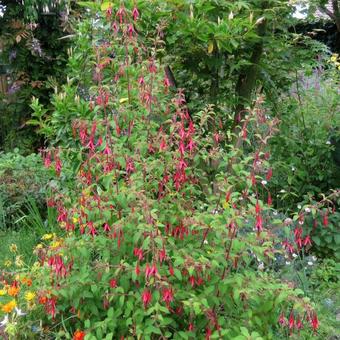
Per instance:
(8,307)
(42,300)
(27,281)
(78,335)
(13,291)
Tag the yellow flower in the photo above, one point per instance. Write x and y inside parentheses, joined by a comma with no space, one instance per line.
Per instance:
(2,292)
(333,58)
(29,296)
(18,261)
(8,263)
(39,246)
(55,244)
(13,248)
(8,307)
(47,237)
(75,219)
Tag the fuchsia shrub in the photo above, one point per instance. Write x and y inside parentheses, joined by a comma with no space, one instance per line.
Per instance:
(164,234)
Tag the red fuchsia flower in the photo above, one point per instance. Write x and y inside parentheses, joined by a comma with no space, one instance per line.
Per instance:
(258,225)
(62,214)
(257,208)
(137,269)
(191,145)
(269,174)
(288,246)
(325,219)
(139,253)
(216,137)
(166,82)
(171,271)
(107,150)
(50,306)
(107,228)
(58,165)
(150,271)
(108,12)
(168,296)
(121,14)
(152,66)
(282,320)
(58,265)
(291,321)
(162,255)
(192,280)
(199,281)
(47,159)
(131,31)
(92,229)
(191,327)
(314,321)
(141,81)
(115,27)
(299,324)
(135,14)
(307,241)
(113,283)
(208,333)
(162,146)
(146,298)
(269,200)
(130,167)
(79,335)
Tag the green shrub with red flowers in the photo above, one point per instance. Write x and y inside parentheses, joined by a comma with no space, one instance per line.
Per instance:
(162,231)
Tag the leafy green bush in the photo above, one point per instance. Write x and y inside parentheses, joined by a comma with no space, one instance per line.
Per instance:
(304,153)
(21,177)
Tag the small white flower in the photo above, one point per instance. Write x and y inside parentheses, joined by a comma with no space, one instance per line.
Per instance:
(301,222)
(299,206)
(205,242)
(310,263)
(287,263)
(294,255)
(283,191)
(261,266)
(328,142)
(288,221)
(274,212)
(307,210)
(19,312)
(4,321)
(314,258)
(263,182)
(293,168)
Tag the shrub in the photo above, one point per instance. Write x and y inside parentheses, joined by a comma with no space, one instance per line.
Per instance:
(163,232)
(21,177)
(304,153)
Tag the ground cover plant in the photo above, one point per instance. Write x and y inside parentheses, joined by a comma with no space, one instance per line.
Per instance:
(161,223)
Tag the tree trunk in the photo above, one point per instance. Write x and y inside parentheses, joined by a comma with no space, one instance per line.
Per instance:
(247,80)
